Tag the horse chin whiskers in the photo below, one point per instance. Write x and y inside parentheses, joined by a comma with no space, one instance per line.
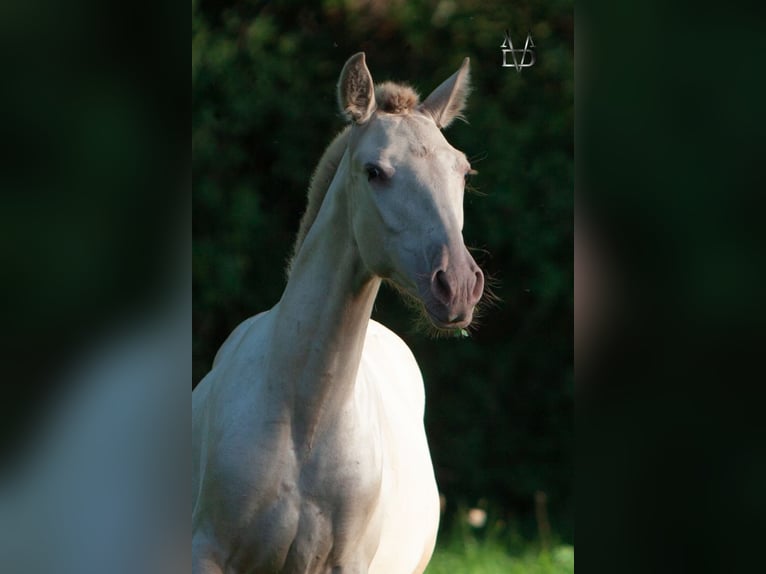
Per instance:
(423,323)
(489,298)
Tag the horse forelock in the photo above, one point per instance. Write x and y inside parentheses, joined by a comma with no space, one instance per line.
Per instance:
(394,98)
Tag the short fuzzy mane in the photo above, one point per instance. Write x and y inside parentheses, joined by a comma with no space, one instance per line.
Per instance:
(394,98)
(320,184)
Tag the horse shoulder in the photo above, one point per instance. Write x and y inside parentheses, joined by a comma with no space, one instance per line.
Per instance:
(409,496)
(234,429)
(234,339)
(387,358)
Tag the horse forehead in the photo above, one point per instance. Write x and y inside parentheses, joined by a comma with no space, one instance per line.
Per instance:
(411,136)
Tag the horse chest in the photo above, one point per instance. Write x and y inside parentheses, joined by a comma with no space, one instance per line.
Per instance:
(282,496)
(323,511)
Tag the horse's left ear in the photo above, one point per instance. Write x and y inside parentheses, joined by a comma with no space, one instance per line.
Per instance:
(448,100)
(356,93)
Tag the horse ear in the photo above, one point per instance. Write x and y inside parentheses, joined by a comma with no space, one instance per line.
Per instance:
(356,92)
(448,100)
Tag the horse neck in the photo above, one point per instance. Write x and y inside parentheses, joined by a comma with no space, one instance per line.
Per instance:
(322,317)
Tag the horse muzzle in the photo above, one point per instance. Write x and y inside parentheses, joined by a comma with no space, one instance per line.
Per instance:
(454,291)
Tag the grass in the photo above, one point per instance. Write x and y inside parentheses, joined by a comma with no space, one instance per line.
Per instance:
(494,550)
(491,558)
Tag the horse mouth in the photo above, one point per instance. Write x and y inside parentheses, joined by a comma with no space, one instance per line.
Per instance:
(446,324)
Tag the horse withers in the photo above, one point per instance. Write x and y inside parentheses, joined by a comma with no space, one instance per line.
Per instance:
(309,450)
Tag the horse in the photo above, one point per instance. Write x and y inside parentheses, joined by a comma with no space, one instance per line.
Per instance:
(309,449)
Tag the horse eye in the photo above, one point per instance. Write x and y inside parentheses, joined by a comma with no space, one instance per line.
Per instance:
(373,172)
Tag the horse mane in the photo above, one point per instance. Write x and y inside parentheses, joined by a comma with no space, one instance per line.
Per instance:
(320,184)
(390,98)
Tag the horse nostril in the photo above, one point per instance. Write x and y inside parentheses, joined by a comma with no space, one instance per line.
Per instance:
(441,287)
(478,287)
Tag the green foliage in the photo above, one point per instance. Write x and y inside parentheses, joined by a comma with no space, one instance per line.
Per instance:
(499,403)
(465,550)
(492,558)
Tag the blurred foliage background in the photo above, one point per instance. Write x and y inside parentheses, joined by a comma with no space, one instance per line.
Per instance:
(499,412)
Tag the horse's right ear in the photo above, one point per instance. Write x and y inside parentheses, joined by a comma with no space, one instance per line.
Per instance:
(356,92)
(448,100)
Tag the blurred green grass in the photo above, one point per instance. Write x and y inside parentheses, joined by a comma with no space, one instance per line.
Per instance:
(491,557)
(495,546)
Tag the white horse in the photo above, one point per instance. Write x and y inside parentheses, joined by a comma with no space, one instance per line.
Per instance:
(309,451)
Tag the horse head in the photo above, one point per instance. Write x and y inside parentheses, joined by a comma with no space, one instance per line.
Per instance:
(406,186)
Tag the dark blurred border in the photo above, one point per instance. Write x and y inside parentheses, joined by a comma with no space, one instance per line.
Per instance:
(95,183)
(670,426)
